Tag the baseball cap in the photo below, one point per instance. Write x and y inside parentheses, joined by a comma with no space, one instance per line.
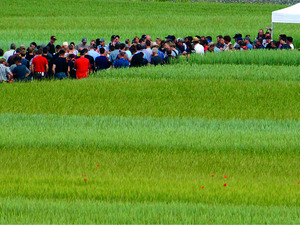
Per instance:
(102,40)
(65,43)
(84,40)
(237,35)
(247,38)
(53,37)
(180,40)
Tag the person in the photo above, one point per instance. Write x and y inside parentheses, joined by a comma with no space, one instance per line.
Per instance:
(11,59)
(10,52)
(5,73)
(258,44)
(121,62)
(1,53)
(283,44)
(93,51)
(71,68)
(50,45)
(114,53)
(82,65)
(169,57)
(260,35)
(290,43)
(20,72)
(137,59)
(82,45)
(102,61)
(228,44)
(60,66)
(90,58)
(155,59)
(24,61)
(39,66)
(248,44)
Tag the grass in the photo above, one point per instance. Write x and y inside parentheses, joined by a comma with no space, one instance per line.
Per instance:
(37,22)
(260,57)
(206,98)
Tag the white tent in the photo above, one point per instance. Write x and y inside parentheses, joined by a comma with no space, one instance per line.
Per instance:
(287,15)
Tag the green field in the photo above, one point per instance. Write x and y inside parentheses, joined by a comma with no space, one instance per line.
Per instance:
(154,144)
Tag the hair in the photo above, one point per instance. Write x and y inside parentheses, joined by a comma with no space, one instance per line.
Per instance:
(2,60)
(1,52)
(23,53)
(209,38)
(71,56)
(71,47)
(58,47)
(139,47)
(117,46)
(289,39)
(61,52)
(102,50)
(30,50)
(45,50)
(283,39)
(219,36)
(127,41)
(17,59)
(33,43)
(40,51)
(12,46)
(148,43)
(282,36)
(18,50)
(169,52)
(227,38)
(132,49)
(111,48)
(122,46)
(122,54)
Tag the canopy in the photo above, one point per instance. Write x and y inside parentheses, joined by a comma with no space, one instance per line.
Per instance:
(287,15)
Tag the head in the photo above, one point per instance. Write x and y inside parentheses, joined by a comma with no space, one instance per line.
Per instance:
(33,45)
(158,41)
(289,40)
(227,39)
(136,40)
(102,42)
(13,46)
(84,41)
(117,39)
(40,51)
(62,53)
(17,60)
(93,42)
(2,61)
(121,55)
(261,33)
(102,51)
(283,41)
(219,37)
(1,52)
(148,43)
(57,48)
(154,51)
(52,39)
(247,40)
(222,41)
(122,46)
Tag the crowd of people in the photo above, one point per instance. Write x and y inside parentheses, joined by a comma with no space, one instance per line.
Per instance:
(77,61)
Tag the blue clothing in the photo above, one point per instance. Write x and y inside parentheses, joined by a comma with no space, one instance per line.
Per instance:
(249,46)
(113,56)
(20,72)
(121,63)
(25,62)
(60,75)
(101,62)
(93,53)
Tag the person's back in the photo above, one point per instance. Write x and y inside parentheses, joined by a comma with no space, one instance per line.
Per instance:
(155,59)
(82,66)
(114,54)
(20,72)
(137,60)
(60,66)
(5,72)
(121,63)
(39,66)
(10,52)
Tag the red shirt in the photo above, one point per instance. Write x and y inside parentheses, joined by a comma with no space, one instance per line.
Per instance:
(39,63)
(82,66)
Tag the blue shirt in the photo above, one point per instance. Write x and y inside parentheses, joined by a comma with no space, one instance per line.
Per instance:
(249,46)
(93,53)
(121,63)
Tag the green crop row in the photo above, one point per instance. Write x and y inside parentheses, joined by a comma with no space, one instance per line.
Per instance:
(257,57)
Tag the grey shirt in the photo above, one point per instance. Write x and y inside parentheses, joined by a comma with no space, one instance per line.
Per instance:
(3,72)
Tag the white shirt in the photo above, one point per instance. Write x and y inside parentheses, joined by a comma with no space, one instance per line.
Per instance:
(199,49)
(292,46)
(9,53)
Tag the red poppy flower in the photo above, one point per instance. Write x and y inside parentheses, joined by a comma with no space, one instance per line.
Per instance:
(85,180)
(225,176)
(202,187)
(225,185)
(212,175)
(98,165)
(298,182)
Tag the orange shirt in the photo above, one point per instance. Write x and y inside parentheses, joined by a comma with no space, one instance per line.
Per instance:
(82,66)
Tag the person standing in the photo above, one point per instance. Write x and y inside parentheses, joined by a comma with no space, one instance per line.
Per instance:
(60,66)
(51,45)
(39,66)
(82,65)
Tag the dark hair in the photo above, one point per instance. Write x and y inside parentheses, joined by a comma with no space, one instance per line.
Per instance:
(227,38)
(113,37)
(58,47)
(1,52)
(45,50)
(122,46)
(33,43)
(209,38)
(72,43)
(283,39)
(98,41)
(102,50)
(12,46)
(40,51)
(289,39)
(17,59)
(132,49)
(148,43)
(18,50)
(111,48)
(117,46)
(220,36)
(139,47)
(282,36)
(122,54)
(61,52)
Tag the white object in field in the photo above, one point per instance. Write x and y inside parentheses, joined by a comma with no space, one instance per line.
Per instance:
(287,15)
